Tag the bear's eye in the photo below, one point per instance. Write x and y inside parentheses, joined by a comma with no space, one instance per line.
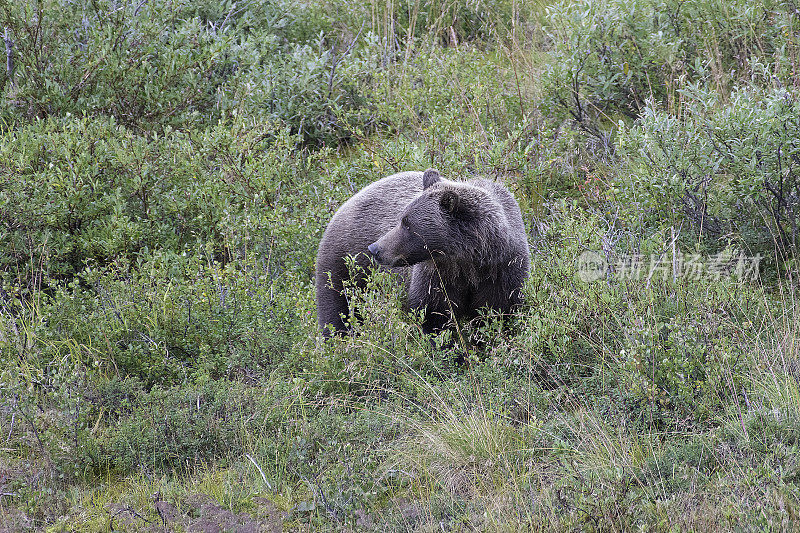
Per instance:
(404,223)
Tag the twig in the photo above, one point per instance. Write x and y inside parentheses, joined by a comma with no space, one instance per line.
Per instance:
(228,16)
(339,59)
(139,7)
(130,510)
(660,257)
(267,483)
(11,429)
(33,427)
(317,489)
(9,56)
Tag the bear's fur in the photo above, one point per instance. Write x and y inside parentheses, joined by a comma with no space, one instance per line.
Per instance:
(459,246)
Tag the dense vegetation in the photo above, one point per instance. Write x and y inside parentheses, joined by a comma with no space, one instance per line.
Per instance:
(167,168)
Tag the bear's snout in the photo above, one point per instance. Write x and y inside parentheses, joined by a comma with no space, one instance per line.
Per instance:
(380,254)
(374,250)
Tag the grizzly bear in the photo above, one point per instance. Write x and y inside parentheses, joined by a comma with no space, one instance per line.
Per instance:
(458,246)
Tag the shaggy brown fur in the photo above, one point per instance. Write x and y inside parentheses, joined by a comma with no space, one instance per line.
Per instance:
(459,245)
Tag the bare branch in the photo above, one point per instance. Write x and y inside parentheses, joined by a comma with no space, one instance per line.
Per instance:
(9,56)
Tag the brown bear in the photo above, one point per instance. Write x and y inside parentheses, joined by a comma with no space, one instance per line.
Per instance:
(459,246)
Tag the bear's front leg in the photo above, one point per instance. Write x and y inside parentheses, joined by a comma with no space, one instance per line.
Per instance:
(439,303)
(503,293)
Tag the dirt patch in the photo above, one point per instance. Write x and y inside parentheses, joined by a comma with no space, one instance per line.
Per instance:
(200,513)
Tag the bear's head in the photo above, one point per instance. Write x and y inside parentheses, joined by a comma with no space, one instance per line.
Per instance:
(448,220)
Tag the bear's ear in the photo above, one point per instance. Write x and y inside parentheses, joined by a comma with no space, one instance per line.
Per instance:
(449,202)
(430,177)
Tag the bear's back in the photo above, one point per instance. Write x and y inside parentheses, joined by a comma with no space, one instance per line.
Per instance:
(510,206)
(370,213)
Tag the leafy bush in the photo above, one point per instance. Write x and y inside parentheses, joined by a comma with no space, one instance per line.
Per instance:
(442,95)
(725,169)
(90,191)
(175,63)
(664,350)
(173,427)
(609,58)
(143,63)
(564,322)
(177,318)
(312,90)
(143,243)
(680,367)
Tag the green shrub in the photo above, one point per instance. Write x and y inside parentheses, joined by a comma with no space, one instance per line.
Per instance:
(663,349)
(175,63)
(727,170)
(564,322)
(385,351)
(90,191)
(445,95)
(609,58)
(313,90)
(174,428)
(678,366)
(142,63)
(179,318)
(172,256)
